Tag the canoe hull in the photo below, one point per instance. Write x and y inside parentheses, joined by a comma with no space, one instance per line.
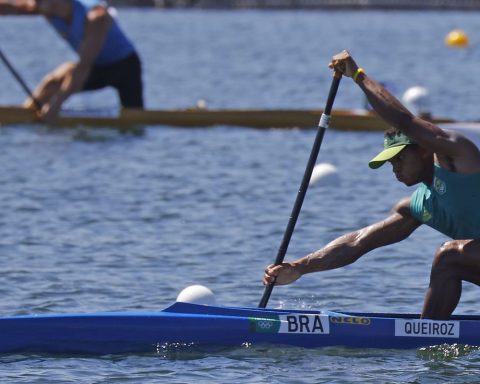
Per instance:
(198,325)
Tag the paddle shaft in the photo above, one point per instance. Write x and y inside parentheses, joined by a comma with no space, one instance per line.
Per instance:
(20,80)
(323,124)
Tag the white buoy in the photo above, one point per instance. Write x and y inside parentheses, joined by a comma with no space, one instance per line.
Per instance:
(322,171)
(416,100)
(202,104)
(197,294)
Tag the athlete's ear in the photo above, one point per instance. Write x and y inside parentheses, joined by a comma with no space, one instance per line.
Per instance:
(425,153)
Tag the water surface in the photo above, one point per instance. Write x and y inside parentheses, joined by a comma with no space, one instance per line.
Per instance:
(99,220)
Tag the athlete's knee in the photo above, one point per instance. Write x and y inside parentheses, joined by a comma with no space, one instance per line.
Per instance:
(64,68)
(446,257)
(51,80)
(59,73)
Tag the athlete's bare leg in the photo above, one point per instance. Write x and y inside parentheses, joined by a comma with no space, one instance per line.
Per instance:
(455,261)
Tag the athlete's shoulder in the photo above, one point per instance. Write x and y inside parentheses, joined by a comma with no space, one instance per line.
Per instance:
(402,207)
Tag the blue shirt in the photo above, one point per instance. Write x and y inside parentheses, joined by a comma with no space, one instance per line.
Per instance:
(116,46)
(450,205)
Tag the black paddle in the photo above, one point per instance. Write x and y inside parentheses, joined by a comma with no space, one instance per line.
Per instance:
(17,76)
(323,124)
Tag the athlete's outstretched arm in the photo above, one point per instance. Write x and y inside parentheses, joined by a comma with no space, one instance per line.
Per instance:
(348,248)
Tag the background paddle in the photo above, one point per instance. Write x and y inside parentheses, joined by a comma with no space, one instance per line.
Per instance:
(20,80)
(323,124)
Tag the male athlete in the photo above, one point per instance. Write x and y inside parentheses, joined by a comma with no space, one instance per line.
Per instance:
(446,165)
(105,55)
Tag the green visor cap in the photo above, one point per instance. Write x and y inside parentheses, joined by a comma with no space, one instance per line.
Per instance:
(392,146)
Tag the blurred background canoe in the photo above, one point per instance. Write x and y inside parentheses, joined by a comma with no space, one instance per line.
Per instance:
(344,120)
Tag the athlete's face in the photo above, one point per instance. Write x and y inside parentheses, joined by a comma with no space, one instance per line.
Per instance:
(409,165)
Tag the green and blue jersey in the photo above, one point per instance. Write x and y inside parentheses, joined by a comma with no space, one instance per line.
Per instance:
(450,205)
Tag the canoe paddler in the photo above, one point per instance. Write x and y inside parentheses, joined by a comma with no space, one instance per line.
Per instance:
(106,57)
(446,167)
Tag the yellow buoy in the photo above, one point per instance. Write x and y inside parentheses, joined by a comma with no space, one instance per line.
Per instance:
(456,38)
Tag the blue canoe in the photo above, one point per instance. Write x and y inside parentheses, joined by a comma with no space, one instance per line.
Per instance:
(202,325)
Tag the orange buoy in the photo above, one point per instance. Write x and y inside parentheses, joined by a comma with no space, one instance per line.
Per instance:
(456,38)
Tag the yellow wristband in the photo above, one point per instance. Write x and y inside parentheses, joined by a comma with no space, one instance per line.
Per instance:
(357,72)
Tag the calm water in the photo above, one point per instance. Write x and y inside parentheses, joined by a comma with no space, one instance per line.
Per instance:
(95,221)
